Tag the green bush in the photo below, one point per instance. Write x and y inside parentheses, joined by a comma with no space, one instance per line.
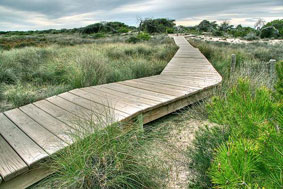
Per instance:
(159,25)
(201,153)
(133,39)
(278,24)
(144,36)
(241,31)
(235,165)
(98,35)
(170,30)
(253,155)
(123,30)
(251,36)
(217,33)
(140,37)
(269,32)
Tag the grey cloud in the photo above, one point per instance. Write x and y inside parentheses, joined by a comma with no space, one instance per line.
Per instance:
(44,14)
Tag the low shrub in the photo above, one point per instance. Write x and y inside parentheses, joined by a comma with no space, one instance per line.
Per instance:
(201,153)
(269,32)
(170,30)
(133,39)
(109,158)
(144,36)
(253,155)
(123,30)
(217,33)
(98,35)
(251,36)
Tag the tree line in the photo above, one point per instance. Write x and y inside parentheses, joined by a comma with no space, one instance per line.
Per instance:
(273,29)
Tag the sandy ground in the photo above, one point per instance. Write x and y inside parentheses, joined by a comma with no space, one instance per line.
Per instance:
(232,40)
(173,151)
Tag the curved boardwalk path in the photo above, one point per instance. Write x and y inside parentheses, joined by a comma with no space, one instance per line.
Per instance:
(31,133)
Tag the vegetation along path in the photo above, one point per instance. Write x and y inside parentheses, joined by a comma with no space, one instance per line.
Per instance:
(32,133)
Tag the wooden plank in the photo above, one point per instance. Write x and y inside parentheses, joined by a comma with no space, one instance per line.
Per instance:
(154,88)
(164,81)
(189,83)
(45,139)
(196,77)
(109,102)
(71,107)
(58,113)
(27,149)
(27,179)
(189,60)
(138,101)
(58,128)
(97,108)
(97,91)
(140,92)
(152,81)
(11,164)
(189,68)
(127,96)
(182,75)
(88,116)
(187,72)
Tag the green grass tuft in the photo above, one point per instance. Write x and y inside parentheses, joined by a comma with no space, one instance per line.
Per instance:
(111,157)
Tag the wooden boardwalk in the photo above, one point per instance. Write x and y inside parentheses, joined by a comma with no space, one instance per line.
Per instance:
(32,133)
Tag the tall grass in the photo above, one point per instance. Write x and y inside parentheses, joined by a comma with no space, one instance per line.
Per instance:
(114,156)
(33,73)
(243,151)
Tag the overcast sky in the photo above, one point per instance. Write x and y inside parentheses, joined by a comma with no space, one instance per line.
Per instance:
(46,14)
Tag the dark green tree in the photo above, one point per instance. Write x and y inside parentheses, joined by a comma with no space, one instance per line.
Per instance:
(206,26)
(278,24)
(159,25)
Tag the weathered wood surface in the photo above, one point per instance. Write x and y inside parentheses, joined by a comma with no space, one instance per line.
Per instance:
(31,133)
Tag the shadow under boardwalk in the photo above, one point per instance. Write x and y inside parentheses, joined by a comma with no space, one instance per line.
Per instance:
(33,132)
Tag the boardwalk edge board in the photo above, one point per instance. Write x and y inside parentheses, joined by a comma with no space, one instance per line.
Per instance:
(188,78)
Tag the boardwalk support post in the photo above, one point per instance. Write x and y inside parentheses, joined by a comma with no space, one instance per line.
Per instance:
(233,63)
(272,64)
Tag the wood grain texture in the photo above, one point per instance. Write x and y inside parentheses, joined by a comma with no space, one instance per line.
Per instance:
(140,92)
(83,99)
(45,139)
(58,128)
(27,179)
(27,149)
(11,164)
